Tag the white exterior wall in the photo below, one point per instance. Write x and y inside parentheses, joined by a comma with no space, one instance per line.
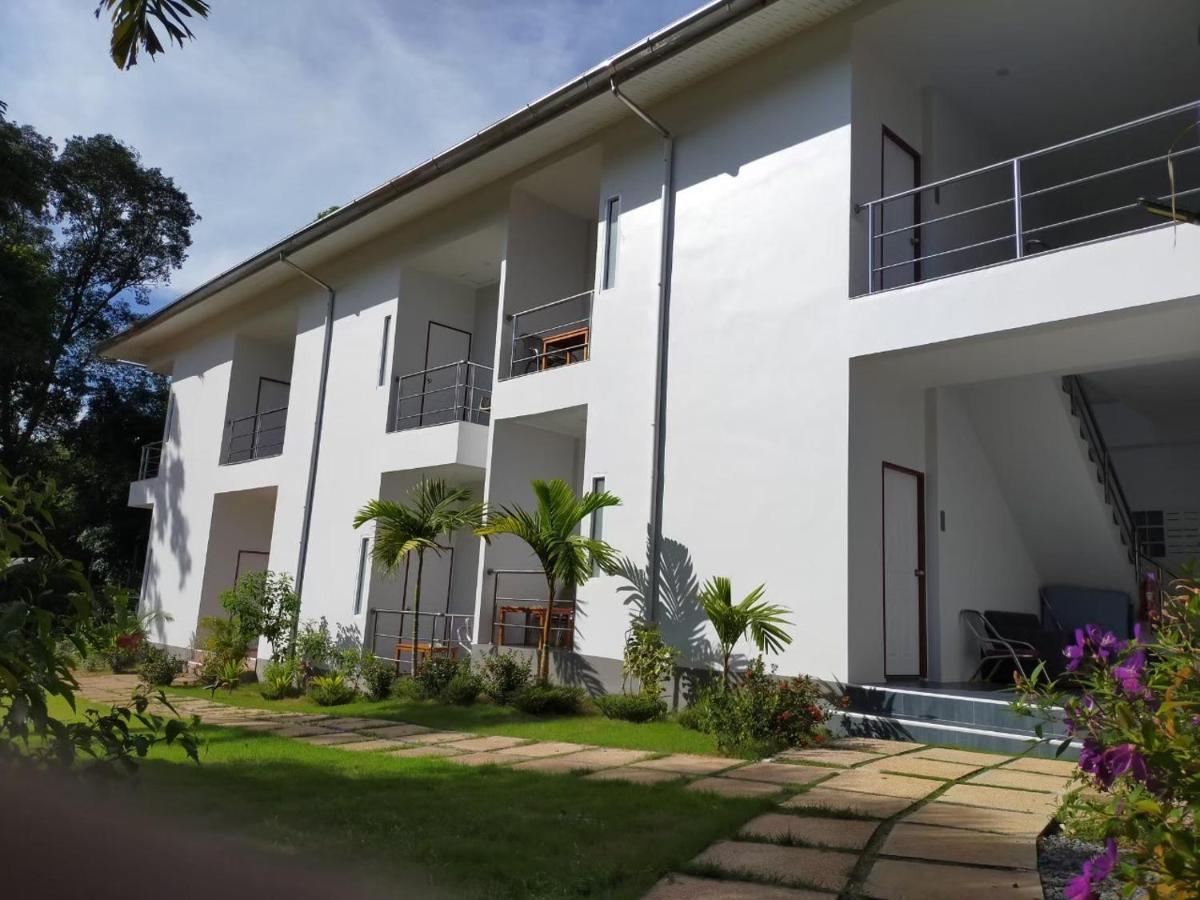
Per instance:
(778,416)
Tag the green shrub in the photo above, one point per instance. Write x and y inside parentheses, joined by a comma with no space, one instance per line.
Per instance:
(224,649)
(762,715)
(377,676)
(543,699)
(280,679)
(263,604)
(464,688)
(408,689)
(648,659)
(434,674)
(158,667)
(692,717)
(632,707)
(504,674)
(314,649)
(331,690)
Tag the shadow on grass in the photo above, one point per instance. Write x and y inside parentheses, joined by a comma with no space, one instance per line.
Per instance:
(429,825)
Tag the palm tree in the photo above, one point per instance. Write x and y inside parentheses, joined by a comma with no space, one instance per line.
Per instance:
(426,523)
(552,533)
(764,621)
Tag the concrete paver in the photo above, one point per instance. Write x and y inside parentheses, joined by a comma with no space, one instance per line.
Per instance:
(482,758)
(437,737)
(975,818)
(584,761)
(814,831)
(795,866)
(395,731)
(734,787)
(925,768)
(371,745)
(337,737)
(489,743)
(999,798)
(871,806)
(881,783)
(426,750)
(958,845)
(690,764)
(685,887)
(822,756)
(1027,781)
(898,879)
(968,757)
(635,776)
(1062,767)
(539,749)
(875,745)
(780,773)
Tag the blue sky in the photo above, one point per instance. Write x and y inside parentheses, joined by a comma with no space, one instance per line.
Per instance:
(281,108)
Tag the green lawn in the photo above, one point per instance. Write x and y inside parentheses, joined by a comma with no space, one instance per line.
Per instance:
(430,827)
(487,718)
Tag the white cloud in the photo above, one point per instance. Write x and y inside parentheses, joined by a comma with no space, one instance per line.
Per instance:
(281,108)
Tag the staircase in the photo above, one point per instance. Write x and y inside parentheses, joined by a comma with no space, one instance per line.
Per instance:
(965,717)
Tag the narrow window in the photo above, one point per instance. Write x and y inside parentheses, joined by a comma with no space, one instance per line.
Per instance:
(596,531)
(387,329)
(612,212)
(170,418)
(361,587)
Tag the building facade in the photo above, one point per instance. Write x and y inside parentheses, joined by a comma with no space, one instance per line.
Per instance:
(854,299)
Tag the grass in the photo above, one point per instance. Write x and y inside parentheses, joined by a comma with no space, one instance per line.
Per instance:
(487,718)
(427,827)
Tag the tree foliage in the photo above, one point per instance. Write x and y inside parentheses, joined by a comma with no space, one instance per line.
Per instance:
(85,235)
(428,520)
(732,621)
(133,26)
(46,617)
(552,531)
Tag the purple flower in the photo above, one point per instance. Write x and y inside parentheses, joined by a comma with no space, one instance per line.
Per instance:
(1090,641)
(1090,755)
(1095,871)
(1075,653)
(1106,766)
(1129,673)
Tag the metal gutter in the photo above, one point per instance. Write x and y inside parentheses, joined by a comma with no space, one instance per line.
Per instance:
(315,451)
(662,45)
(658,453)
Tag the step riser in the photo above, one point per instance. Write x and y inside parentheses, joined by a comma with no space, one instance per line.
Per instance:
(939,708)
(866,725)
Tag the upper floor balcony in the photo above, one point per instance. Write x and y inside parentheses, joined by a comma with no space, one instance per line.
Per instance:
(255,436)
(550,335)
(1112,182)
(455,392)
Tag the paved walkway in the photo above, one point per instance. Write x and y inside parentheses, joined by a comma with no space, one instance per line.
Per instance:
(860,818)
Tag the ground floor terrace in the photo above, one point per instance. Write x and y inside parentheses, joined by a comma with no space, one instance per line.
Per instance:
(434,811)
(1007,489)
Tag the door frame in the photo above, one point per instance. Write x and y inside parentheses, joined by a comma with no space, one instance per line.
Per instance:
(428,336)
(888,135)
(922,623)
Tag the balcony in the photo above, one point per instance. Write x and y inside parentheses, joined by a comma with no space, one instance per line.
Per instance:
(1078,191)
(150,460)
(456,392)
(550,336)
(255,436)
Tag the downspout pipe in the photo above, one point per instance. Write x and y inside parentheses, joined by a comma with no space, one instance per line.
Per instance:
(659,426)
(315,452)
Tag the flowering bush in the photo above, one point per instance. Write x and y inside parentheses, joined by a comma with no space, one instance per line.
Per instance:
(763,714)
(1135,708)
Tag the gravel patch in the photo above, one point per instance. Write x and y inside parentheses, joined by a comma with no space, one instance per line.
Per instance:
(1061,858)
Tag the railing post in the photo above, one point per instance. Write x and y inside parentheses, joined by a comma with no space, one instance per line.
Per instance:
(870,248)
(512,346)
(1017,223)
(469,394)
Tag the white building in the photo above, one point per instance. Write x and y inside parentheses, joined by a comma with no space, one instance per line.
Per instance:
(876,429)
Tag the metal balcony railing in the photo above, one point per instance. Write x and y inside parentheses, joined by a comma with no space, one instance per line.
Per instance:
(551,335)
(150,460)
(396,634)
(1081,190)
(456,392)
(519,610)
(256,436)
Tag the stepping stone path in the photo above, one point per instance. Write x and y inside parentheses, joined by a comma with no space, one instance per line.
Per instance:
(858,818)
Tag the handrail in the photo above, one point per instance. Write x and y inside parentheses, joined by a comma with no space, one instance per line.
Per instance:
(888,251)
(150,460)
(1034,154)
(257,415)
(469,400)
(1113,491)
(257,448)
(552,303)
